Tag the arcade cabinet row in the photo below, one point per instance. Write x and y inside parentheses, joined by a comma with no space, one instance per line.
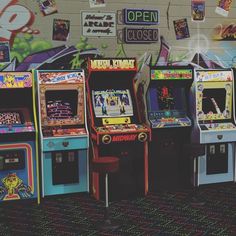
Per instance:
(148,128)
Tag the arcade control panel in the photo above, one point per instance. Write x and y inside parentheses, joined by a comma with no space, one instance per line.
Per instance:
(165,119)
(121,133)
(60,131)
(121,128)
(217,126)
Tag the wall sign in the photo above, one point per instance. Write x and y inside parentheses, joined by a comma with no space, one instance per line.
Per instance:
(141,17)
(140,35)
(99,24)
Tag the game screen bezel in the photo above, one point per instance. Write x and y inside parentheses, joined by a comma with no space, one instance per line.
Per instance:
(120,108)
(220,102)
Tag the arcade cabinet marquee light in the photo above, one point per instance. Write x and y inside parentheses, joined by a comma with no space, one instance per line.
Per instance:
(174,74)
(113,64)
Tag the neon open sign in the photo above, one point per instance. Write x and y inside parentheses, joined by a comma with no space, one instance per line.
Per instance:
(141,17)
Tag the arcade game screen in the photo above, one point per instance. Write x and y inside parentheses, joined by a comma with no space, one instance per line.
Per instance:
(10,118)
(60,104)
(213,100)
(166,97)
(112,103)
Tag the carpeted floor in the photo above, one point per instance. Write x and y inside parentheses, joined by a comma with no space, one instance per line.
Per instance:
(164,213)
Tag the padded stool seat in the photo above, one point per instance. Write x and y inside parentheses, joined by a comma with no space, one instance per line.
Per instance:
(107,164)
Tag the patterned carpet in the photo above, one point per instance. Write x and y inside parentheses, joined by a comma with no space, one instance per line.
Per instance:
(164,213)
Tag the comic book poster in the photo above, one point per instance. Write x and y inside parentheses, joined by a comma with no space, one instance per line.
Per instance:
(181,29)
(198,10)
(61,29)
(4,52)
(47,7)
(97,3)
(223,7)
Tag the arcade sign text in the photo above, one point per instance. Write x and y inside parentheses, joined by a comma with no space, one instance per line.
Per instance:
(141,17)
(111,64)
(171,74)
(141,35)
(124,138)
(98,24)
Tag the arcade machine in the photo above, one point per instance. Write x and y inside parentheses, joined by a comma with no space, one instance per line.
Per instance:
(168,117)
(214,126)
(18,137)
(116,129)
(63,131)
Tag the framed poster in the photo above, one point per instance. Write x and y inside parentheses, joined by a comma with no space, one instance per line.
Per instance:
(198,10)
(61,29)
(181,29)
(97,3)
(4,52)
(223,7)
(47,7)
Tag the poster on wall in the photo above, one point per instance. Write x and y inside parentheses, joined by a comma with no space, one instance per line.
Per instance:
(181,29)
(47,7)
(97,3)
(198,10)
(223,7)
(98,24)
(4,52)
(61,29)
(225,31)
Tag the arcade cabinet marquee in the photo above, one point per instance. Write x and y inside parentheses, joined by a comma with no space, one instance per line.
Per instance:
(116,128)
(18,137)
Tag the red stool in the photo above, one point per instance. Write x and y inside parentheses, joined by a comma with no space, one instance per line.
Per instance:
(106,165)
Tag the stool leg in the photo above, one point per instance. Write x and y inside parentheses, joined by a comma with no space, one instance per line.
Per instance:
(106,214)
(107,224)
(195,198)
(106,189)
